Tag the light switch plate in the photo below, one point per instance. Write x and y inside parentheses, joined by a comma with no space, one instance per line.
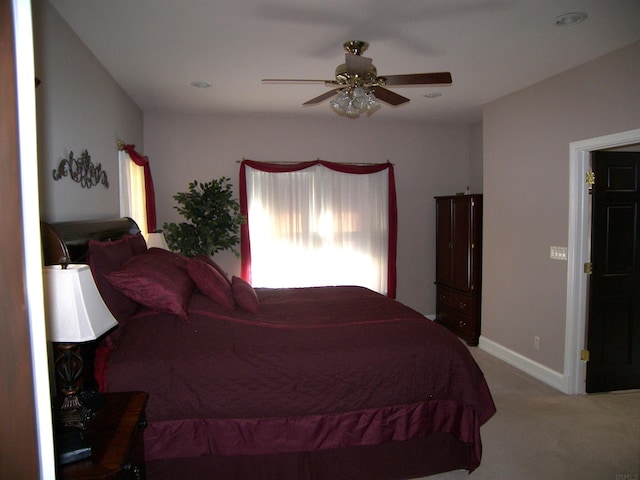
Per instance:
(558,253)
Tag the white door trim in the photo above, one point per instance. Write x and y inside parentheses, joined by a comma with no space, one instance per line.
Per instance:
(579,253)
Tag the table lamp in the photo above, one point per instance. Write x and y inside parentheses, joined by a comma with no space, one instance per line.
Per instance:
(75,314)
(157,240)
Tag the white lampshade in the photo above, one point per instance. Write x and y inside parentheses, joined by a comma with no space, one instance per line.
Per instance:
(74,308)
(157,240)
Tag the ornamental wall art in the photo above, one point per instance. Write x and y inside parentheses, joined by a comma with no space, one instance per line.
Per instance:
(81,170)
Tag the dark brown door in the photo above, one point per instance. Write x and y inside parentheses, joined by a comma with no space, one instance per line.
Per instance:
(614,287)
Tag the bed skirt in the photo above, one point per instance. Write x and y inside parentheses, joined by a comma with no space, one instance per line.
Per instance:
(395,460)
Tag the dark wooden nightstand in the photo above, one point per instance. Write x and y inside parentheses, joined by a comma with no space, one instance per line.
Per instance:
(115,436)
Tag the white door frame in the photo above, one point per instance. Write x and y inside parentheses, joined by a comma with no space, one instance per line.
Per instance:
(579,252)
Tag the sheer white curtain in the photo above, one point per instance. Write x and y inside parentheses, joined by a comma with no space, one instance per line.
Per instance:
(318,226)
(132,191)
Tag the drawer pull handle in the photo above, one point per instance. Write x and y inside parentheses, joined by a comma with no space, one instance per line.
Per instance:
(463,305)
(462,323)
(142,424)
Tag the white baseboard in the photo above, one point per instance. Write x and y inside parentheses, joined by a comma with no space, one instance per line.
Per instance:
(531,367)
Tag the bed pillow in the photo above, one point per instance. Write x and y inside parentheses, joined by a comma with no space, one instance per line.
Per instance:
(211,282)
(208,260)
(137,243)
(162,255)
(104,258)
(162,286)
(244,295)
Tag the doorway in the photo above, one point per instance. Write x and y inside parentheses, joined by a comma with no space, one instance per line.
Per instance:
(613,325)
(579,253)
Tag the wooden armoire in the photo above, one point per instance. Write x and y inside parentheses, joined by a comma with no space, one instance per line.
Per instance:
(459,264)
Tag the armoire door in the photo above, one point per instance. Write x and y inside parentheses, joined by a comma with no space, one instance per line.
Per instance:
(444,225)
(461,242)
(453,240)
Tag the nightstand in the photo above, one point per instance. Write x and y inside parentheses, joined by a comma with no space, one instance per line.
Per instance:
(115,436)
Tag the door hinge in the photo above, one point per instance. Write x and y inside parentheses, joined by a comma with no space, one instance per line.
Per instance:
(590,179)
(584,355)
(588,268)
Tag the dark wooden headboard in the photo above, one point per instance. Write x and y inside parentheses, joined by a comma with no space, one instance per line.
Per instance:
(71,239)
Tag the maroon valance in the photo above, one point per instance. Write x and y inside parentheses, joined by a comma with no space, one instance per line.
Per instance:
(245,243)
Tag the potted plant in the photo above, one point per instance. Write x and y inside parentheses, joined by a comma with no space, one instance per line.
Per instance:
(212,216)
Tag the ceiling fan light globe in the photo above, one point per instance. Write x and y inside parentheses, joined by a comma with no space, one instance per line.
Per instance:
(342,104)
(372,103)
(353,101)
(359,99)
(341,101)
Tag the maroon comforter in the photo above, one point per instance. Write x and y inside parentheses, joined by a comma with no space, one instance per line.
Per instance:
(316,368)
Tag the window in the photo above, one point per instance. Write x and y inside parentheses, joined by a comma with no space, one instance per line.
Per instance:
(319,223)
(132,192)
(137,197)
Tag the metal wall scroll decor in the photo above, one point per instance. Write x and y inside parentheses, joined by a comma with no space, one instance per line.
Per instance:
(81,170)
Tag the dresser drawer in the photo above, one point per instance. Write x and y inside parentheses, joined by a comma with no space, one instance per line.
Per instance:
(460,324)
(459,302)
(459,312)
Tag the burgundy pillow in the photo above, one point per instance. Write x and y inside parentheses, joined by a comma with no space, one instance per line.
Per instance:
(244,294)
(211,282)
(137,243)
(174,258)
(163,286)
(208,260)
(104,258)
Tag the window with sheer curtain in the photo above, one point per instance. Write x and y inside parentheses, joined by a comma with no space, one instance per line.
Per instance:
(319,223)
(133,202)
(137,195)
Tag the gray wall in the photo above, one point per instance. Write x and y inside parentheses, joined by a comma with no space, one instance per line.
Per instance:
(475,158)
(429,160)
(526,186)
(79,106)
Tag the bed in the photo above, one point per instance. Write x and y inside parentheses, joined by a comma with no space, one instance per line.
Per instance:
(305,383)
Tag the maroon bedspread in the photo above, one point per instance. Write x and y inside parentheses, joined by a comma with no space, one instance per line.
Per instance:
(317,368)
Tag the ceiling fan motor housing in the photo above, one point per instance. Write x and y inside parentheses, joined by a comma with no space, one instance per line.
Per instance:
(346,77)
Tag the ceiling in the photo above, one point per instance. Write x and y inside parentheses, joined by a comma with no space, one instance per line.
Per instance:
(155,48)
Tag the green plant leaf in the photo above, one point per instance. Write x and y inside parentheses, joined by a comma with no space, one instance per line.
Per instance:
(212,217)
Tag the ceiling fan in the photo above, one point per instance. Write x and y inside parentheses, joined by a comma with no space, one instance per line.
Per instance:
(358,86)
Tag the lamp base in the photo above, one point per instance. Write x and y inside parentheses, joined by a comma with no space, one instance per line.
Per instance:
(76,404)
(76,410)
(74,416)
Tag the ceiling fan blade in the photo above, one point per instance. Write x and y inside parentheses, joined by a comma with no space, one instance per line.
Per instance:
(436,78)
(357,64)
(291,80)
(322,97)
(388,96)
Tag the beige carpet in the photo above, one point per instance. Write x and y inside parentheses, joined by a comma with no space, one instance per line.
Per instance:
(540,433)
